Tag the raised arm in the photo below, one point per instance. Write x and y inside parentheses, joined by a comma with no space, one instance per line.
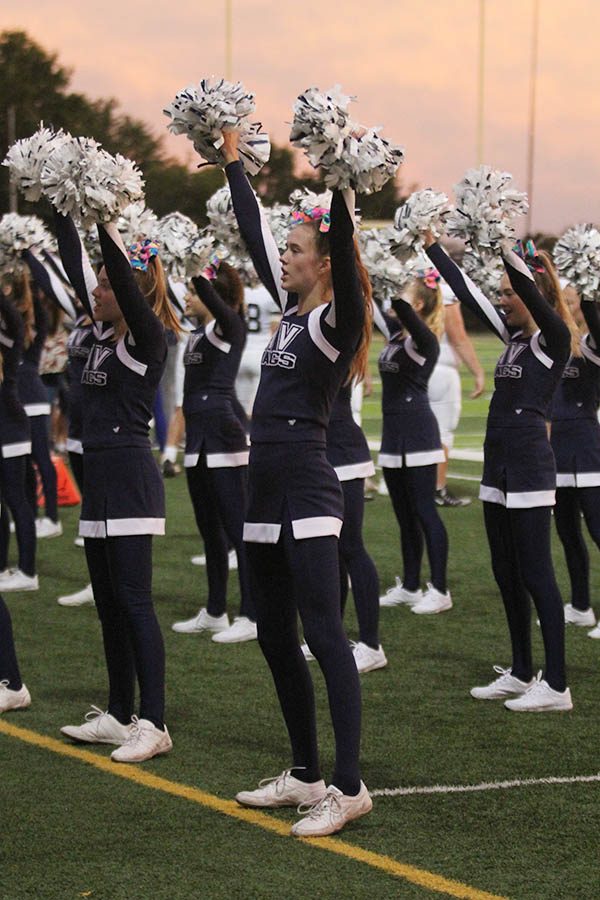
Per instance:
(49,284)
(557,336)
(423,337)
(75,261)
(229,321)
(347,312)
(147,330)
(254,228)
(467,292)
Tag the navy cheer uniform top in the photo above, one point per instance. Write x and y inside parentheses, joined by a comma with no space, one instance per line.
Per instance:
(411,435)
(211,360)
(575,433)
(302,370)
(15,436)
(519,469)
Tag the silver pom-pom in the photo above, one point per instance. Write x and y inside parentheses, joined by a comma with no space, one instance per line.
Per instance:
(184,251)
(19,233)
(203,112)
(304,200)
(486,207)
(577,258)
(349,154)
(136,222)
(485,270)
(425,210)
(26,158)
(223,223)
(88,183)
(387,274)
(280,221)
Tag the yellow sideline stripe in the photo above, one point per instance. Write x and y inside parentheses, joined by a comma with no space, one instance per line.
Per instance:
(421,877)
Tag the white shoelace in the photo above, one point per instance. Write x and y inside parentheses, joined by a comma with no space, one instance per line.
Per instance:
(94,713)
(328,804)
(4,685)
(136,732)
(538,686)
(278,781)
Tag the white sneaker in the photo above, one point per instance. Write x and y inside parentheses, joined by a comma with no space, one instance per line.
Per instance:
(201,560)
(501,687)
(433,601)
(367,659)
(145,741)
(46,528)
(79,542)
(13,699)
(332,812)
(283,790)
(398,594)
(574,616)
(202,622)
(79,598)
(309,656)
(541,698)
(19,581)
(594,633)
(99,728)
(243,629)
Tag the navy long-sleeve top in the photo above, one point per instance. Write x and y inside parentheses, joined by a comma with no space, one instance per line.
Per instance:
(578,393)
(309,355)
(531,366)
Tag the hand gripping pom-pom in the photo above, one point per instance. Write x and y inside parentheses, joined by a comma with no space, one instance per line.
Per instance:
(349,154)
(26,158)
(577,258)
(425,210)
(486,208)
(203,112)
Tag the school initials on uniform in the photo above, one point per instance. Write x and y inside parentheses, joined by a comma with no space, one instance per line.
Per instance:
(276,353)
(193,357)
(506,367)
(386,362)
(92,373)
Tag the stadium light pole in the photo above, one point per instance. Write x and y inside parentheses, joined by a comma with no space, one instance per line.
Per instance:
(228,39)
(480,82)
(532,110)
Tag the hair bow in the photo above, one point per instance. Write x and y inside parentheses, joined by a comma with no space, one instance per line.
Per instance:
(141,253)
(431,277)
(311,215)
(527,251)
(210,272)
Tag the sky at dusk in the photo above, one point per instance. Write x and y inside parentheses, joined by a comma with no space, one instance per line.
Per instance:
(413,66)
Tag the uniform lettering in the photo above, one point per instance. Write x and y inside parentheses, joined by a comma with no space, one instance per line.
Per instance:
(508,371)
(276,353)
(92,374)
(279,358)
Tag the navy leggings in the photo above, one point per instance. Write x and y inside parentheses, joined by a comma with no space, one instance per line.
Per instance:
(570,503)
(40,454)
(12,489)
(302,576)
(219,500)
(121,576)
(519,541)
(357,563)
(412,492)
(9,667)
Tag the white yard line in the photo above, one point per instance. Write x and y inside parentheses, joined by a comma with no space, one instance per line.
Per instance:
(484,786)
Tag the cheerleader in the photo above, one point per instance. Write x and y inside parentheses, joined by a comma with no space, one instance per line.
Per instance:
(295,508)
(411,447)
(575,440)
(216,453)
(348,453)
(123,498)
(15,438)
(519,475)
(32,391)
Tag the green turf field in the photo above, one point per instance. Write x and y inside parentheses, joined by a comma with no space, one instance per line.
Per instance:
(71,829)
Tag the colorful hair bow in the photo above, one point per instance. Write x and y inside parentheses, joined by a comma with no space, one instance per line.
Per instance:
(527,251)
(212,269)
(141,253)
(432,278)
(311,215)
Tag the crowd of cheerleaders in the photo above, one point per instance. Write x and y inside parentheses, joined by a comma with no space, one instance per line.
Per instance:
(290,501)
